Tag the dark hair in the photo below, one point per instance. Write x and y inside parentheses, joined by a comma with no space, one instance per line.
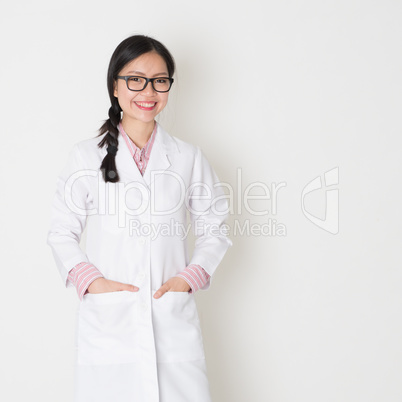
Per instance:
(126,51)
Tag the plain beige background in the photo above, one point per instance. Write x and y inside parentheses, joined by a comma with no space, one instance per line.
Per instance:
(281,92)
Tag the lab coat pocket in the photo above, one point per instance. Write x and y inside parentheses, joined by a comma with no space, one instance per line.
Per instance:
(178,334)
(107,328)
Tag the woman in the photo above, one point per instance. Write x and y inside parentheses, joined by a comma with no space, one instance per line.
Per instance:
(138,335)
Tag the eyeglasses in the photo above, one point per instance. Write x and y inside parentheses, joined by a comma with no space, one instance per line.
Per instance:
(135,83)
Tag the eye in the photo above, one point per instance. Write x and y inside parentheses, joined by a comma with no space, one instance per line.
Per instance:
(162,80)
(135,79)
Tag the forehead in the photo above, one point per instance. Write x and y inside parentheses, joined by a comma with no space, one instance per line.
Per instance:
(148,64)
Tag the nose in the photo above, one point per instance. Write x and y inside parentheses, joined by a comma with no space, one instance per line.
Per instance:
(149,89)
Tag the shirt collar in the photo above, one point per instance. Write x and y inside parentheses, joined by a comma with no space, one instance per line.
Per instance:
(146,149)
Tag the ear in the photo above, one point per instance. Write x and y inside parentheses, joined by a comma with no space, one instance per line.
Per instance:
(115,88)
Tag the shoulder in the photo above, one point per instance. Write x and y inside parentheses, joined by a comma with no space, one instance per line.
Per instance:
(89,145)
(86,153)
(176,144)
(189,156)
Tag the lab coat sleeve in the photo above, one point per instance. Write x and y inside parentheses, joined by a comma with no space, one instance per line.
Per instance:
(208,208)
(68,216)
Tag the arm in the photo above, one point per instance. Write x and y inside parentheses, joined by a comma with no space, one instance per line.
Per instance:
(71,205)
(208,209)
(67,219)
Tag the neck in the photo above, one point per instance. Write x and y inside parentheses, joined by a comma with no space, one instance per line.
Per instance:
(138,131)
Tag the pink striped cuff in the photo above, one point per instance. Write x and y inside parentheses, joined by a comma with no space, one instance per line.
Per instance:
(195,276)
(82,275)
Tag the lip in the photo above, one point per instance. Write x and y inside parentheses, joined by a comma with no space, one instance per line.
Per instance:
(149,108)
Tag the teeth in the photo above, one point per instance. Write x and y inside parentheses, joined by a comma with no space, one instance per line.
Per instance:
(146,104)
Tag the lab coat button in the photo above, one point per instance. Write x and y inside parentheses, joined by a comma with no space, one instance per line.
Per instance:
(141,276)
(144,307)
(142,241)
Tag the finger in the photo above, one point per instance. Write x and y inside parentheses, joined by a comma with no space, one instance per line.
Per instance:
(161,291)
(115,286)
(130,288)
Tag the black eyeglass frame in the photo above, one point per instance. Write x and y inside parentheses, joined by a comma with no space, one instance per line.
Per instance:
(147,80)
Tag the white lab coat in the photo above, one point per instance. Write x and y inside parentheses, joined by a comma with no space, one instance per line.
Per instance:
(130,346)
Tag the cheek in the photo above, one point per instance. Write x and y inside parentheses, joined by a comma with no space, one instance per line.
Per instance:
(163,100)
(121,91)
(124,99)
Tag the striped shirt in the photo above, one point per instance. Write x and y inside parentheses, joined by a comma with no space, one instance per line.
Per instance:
(84,273)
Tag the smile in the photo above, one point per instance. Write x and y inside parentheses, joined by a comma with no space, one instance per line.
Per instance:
(146,105)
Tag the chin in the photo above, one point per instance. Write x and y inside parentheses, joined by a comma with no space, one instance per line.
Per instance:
(143,119)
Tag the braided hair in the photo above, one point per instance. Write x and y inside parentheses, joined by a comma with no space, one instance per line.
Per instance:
(128,50)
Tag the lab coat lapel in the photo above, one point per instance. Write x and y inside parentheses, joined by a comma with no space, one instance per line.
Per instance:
(162,155)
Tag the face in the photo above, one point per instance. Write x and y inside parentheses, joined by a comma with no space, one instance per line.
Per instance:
(145,105)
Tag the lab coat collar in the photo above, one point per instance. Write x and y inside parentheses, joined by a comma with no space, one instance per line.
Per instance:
(162,155)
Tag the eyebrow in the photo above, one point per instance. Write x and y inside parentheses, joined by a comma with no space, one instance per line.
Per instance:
(155,75)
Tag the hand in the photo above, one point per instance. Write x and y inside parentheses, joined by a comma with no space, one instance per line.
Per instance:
(175,284)
(103,285)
